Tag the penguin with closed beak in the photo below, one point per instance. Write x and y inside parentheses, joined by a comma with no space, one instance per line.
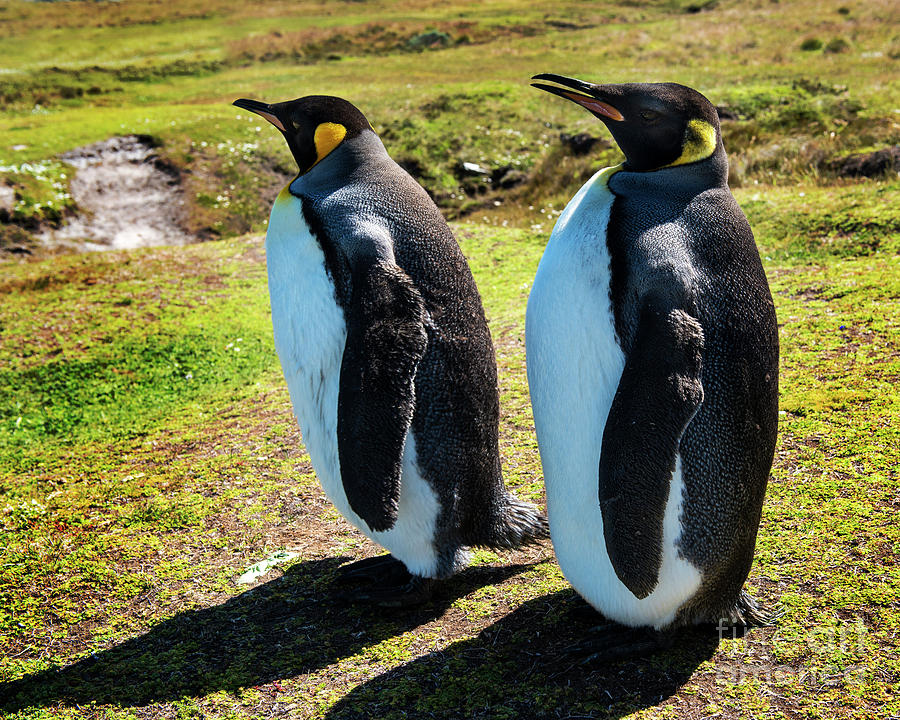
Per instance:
(387,355)
(652,356)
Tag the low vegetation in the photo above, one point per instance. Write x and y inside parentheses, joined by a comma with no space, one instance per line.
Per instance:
(788,111)
(148,454)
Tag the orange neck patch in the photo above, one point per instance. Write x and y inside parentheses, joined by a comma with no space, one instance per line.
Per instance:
(327,137)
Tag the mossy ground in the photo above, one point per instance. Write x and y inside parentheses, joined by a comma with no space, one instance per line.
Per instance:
(148,454)
(127,519)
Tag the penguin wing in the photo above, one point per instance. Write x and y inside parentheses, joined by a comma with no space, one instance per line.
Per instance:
(386,339)
(658,394)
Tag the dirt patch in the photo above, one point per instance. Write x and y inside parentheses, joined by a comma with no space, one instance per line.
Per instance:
(7,199)
(127,196)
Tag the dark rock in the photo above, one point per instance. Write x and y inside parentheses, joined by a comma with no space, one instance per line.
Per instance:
(870,164)
(513,179)
(475,186)
(507,177)
(412,166)
(16,241)
(498,173)
(580,144)
(726,113)
(697,7)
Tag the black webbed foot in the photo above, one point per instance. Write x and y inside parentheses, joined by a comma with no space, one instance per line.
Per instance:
(382,569)
(748,612)
(417,591)
(392,585)
(612,642)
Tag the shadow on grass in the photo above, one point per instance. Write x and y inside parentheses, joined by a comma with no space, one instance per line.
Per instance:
(522,667)
(289,626)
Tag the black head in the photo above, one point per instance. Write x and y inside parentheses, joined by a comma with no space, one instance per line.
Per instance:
(313,126)
(655,124)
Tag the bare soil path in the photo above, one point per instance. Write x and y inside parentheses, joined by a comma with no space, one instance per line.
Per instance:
(128,198)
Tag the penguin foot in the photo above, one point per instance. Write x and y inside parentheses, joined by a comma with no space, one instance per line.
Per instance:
(396,586)
(415,592)
(585,613)
(384,569)
(749,612)
(613,642)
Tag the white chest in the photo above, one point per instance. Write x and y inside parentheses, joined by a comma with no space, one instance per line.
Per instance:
(310,334)
(574,366)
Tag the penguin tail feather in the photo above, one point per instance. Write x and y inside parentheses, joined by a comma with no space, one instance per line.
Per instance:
(519,523)
(748,612)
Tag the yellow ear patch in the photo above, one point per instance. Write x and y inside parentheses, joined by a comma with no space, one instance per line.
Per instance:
(699,143)
(327,137)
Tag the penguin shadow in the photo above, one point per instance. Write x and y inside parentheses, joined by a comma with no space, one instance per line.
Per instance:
(524,666)
(286,627)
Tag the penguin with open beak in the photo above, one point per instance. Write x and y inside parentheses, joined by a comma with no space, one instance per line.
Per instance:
(652,356)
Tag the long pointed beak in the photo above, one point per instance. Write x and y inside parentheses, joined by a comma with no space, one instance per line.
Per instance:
(260,108)
(586,95)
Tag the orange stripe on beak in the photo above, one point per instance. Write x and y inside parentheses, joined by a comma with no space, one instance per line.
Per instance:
(594,105)
(272,119)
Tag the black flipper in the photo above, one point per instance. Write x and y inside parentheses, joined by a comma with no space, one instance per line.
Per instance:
(386,339)
(658,394)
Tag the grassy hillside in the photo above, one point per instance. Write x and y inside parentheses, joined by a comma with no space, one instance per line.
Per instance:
(148,454)
(449,84)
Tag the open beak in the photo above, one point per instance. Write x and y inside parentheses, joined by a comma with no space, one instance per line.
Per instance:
(260,108)
(586,94)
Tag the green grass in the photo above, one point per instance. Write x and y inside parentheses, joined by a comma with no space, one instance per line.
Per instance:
(118,351)
(796,109)
(127,544)
(146,463)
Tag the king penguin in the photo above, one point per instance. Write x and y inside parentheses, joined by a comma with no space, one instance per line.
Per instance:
(652,360)
(387,354)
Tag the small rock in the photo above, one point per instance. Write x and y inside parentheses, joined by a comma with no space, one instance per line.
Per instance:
(697,7)
(16,241)
(870,164)
(470,168)
(472,186)
(412,166)
(508,177)
(7,198)
(580,144)
(726,113)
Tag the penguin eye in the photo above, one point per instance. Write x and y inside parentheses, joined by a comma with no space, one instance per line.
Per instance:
(649,115)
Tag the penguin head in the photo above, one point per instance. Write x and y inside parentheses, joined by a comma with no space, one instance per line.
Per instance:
(313,126)
(656,125)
